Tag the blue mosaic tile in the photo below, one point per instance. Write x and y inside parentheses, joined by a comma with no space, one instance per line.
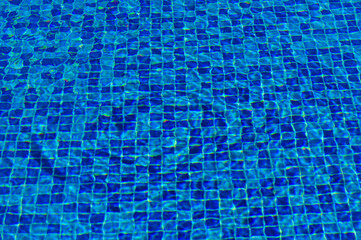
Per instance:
(161,119)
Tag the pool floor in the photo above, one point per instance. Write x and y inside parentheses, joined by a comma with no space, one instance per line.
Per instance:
(180,119)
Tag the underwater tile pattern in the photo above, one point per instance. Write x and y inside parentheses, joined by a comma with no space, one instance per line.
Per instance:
(180,119)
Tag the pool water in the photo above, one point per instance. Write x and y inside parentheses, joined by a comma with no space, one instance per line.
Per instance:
(183,119)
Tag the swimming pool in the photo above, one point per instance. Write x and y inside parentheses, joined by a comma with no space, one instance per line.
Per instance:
(184,119)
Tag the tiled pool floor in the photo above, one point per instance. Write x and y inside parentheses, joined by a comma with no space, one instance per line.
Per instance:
(184,119)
